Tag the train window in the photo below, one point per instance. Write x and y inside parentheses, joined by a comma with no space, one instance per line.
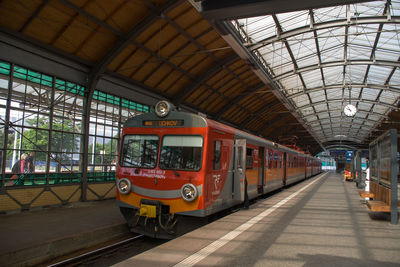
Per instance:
(181,152)
(280,161)
(217,155)
(275,163)
(139,151)
(270,160)
(249,158)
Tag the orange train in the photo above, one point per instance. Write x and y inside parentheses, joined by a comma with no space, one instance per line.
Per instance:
(175,164)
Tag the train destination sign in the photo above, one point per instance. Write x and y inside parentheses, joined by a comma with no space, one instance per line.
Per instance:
(163,123)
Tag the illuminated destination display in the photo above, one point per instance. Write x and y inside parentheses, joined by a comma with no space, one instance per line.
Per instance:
(163,123)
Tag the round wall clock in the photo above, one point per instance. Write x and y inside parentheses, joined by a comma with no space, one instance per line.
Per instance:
(350,110)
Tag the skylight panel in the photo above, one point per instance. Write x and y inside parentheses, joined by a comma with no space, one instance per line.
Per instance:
(333,75)
(370,94)
(389,97)
(320,108)
(293,20)
(329,13)
(389,39)
(334,94)
(292,84)
(364,106)
(380,109)
(301,101)
(312,79)
(258,28)
(378,74)
(368,9)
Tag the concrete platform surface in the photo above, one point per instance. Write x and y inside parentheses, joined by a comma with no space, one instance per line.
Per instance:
(30,238)
(319,222)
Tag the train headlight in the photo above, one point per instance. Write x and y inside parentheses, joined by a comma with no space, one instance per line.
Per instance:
(163,108)
(124,186)
(189,192)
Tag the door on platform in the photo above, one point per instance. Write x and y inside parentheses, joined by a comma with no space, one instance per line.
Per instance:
(261,169)
(239,173)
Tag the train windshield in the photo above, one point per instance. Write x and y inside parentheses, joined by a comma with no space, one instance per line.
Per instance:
(140,151)
(181,152)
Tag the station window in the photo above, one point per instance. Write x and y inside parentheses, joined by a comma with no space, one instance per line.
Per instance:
(46,114)
(217,155)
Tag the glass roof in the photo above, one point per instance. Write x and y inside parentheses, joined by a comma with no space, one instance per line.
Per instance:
(324,59)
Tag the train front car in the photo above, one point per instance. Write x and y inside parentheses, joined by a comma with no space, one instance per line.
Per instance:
(161,169)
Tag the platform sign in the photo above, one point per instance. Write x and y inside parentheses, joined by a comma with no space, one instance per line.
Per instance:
(349,155)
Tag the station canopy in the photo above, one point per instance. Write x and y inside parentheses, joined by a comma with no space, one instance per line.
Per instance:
(320,60)
(284,70)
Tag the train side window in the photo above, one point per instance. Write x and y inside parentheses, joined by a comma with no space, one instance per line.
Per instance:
(249,158)
(239,157)
(217,155)
(270,160)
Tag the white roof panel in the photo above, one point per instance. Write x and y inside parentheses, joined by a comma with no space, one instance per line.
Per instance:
(350,51)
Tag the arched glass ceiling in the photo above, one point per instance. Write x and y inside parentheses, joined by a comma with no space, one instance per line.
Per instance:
(323,59)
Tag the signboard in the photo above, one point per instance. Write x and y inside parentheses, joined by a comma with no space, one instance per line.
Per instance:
(349,155)
(163,123)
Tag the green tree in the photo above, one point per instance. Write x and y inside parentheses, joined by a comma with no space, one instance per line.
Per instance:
(63,142)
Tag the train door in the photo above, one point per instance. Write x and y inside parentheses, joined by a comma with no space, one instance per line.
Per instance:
(239,173)
(261,169)
(284,168)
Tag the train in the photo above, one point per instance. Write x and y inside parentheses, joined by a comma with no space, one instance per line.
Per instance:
(174,164)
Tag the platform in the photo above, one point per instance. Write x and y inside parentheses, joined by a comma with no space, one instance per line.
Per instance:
(319,222)
(32,237)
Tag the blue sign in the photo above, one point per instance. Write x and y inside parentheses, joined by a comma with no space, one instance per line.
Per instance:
(349,155)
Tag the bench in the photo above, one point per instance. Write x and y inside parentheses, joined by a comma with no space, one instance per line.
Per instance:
(381,195)
(366,194)
(373,189)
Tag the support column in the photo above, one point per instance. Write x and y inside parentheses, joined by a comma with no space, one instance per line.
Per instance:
(393,177)
(86,126)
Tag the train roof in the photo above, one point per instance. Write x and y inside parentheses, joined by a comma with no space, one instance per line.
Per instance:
(190,119)
(187,119)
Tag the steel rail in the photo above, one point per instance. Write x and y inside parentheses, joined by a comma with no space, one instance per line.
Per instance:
(90,254)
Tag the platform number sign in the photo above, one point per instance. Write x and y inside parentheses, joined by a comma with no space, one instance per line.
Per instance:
(349,155)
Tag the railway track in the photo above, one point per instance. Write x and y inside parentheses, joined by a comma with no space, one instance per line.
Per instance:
(110,254)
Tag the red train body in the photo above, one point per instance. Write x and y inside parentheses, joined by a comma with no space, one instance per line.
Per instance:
(184,164)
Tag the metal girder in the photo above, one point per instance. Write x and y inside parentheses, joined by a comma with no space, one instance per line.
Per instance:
(176,52)
(238,99)
(320,26)
(233,9)
(126,39)
(353,85)
(89,16)
(358,141)
(34,15)
(340,110)
(344,63)
(274,121)
(203,78)
(354,100)
(259,112)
